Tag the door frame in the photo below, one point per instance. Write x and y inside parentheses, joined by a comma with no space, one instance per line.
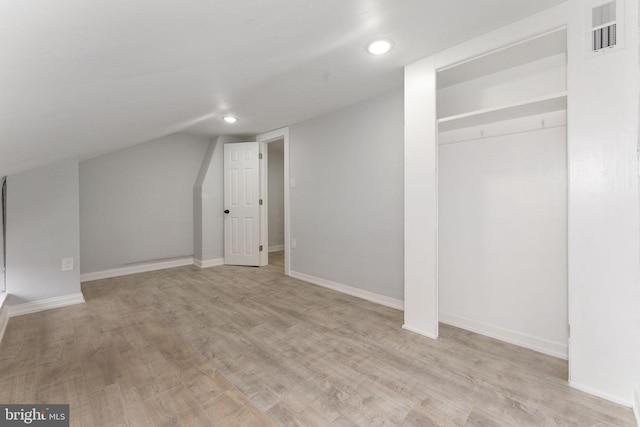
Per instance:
(3,234)
(265,138)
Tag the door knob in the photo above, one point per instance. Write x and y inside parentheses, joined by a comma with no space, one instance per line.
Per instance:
(226,211)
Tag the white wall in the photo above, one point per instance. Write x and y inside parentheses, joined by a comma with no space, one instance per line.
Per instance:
(347,206)
(502,224)
(420,199)
(604,227)
(136,205)
(42,229)
(275,158)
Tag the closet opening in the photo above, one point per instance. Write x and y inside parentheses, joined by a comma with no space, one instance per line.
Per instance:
(275,229)
(275,192)
(502,194)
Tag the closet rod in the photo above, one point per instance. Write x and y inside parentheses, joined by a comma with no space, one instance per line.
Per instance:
(476,138)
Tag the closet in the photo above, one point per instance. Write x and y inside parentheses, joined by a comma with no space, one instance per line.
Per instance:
(502,193)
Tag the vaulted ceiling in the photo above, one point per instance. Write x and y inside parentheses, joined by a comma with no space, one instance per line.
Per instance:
(83,77)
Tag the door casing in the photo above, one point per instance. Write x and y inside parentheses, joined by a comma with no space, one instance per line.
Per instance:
(265,138)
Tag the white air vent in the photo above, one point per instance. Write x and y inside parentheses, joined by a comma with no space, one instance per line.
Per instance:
(603,26)
(606,25)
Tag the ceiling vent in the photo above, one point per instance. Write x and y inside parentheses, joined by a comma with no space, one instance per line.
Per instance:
(606,26)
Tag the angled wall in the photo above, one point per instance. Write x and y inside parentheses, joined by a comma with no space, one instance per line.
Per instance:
(136,204)
(42,229)
(208,205)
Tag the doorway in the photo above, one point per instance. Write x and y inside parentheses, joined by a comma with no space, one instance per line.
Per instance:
(278,136)
(275,208)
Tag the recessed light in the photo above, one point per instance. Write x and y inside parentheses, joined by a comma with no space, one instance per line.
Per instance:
(230,119)
(379,47)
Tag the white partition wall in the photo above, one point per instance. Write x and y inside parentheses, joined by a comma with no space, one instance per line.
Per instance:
(420,200)
(604,225)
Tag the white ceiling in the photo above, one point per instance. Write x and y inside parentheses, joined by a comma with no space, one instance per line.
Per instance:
(80,78)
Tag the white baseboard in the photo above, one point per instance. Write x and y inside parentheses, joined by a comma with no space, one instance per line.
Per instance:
(419,331)
(208,262)
(134,269)
(276,248)
(349,290)
(636,405)
(598,393)
(45,304)
(4,314)
(541,345)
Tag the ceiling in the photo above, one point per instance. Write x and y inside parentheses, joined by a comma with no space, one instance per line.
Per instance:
(79,78)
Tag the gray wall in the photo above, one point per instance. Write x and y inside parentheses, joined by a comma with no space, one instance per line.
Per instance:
(347,207)
(276,193)
(136,205)
(42,229)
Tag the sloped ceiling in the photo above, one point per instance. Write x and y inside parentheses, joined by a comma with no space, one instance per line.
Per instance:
(79,78)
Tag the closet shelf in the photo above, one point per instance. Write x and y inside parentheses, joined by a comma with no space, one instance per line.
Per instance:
(524,52)
(545,104)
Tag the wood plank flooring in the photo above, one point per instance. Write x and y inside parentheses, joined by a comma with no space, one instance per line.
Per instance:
(248,346)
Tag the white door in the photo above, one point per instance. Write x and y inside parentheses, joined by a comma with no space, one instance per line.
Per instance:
(241,203)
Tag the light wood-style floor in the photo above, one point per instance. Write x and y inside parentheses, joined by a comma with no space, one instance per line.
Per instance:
(246,346)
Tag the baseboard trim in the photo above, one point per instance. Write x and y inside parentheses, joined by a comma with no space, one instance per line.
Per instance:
(350,290)
(540,345)
(4,314)
(276,248)
(419,331)
(601,394)
(208,262)
(45,304)
(636,405)
(135,269)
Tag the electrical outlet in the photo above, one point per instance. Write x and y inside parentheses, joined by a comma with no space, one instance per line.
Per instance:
(293,243)
(67,264)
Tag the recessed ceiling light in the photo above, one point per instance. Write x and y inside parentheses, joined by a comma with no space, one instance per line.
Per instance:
(230,119)
(379,47)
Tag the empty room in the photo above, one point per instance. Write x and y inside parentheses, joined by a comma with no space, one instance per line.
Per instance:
(318,213)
